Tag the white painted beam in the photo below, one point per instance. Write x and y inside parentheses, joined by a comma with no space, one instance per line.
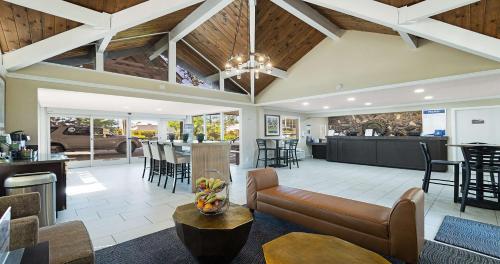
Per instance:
(251,25)
(203,13)
(159,47)
(3,71)
(103,43)
(172,62)
(429,8)
(427,28)
(277,73)
(68,10)
(52,46)
(99,61)
(311,17)
(410,40)
(85,34)
(221,82)
(147,11)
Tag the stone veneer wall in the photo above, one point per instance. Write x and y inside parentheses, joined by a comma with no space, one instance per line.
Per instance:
(397,124)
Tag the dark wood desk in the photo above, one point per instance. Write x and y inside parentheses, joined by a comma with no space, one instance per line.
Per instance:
(52,163)
(318,150)
(396,152)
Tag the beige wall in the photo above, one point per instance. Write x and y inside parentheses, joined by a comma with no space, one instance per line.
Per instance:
(361,60)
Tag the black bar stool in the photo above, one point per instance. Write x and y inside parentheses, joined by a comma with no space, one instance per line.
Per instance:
(429,162)
(262,144)
(291,152)
(481,159)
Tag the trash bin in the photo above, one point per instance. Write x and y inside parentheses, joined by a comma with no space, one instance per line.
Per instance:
(40,182)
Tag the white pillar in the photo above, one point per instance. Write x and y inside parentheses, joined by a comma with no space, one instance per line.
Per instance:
(221,81)
(221,126)
(172,62)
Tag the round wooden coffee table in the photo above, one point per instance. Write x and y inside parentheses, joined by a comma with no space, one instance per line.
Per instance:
(213,239)
(296,247)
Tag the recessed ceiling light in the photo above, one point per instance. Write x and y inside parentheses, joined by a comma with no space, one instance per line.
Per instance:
(419,91)
(368,103)
(350,99)
(428,97)
(326,107)
(305,103)
(158,109)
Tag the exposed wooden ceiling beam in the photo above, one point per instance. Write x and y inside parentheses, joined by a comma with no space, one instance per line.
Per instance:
(427,28)
(199,16)
(84,34)
(429,8)
(68,10)
(311,17)
(410,40)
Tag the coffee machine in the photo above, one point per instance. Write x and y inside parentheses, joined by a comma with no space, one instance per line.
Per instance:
(18,146)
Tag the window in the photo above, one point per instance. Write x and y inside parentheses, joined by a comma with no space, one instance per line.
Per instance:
(231,126)
(175,127)
(213,127)
(290,127)
(198,125)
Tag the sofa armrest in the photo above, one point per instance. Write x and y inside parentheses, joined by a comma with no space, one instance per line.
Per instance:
(406,226)
(23,232)
(259,180)
(22,205)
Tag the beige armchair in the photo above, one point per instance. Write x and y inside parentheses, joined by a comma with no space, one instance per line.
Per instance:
(69,242)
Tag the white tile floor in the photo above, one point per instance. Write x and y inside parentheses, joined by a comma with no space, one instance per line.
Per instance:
(117,205)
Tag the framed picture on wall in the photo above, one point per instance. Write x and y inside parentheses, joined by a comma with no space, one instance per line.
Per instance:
(272,125)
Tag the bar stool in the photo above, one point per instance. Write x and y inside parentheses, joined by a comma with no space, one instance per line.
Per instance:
(262,145)
(290,150)
(180,164)
(481,159)
(158,158)
(147,157)
(429,162)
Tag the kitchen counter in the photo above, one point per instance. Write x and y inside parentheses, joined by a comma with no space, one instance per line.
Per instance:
(55,163)
(386,151)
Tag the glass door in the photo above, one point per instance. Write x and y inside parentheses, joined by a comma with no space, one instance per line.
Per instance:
(109,138)
(70,135)
(141,129)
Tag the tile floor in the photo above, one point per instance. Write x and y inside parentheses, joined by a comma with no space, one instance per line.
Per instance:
(117,205)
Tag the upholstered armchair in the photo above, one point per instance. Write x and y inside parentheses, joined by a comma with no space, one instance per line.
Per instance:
(69,242)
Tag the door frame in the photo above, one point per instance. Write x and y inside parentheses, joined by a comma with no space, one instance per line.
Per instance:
(453,124)
(93,114)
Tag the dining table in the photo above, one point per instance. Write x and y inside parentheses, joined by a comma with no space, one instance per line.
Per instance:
(478,200)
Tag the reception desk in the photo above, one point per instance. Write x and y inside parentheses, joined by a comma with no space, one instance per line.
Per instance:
(396,152)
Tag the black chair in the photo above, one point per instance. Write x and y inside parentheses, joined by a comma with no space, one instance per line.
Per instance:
(429,162)
(262,145)
(290,151)
(481,159)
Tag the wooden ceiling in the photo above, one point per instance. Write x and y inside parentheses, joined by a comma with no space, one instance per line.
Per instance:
(279,34)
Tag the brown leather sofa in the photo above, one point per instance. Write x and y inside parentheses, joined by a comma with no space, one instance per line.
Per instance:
(396,231)
(69,242)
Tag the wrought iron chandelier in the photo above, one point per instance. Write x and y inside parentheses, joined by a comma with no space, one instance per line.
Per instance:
(239,64)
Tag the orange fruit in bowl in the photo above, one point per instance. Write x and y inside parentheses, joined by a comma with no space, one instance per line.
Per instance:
(208,207)
(200,204)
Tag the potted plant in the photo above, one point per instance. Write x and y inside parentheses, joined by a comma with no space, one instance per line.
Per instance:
(200,137)
(185,137)
(171,137)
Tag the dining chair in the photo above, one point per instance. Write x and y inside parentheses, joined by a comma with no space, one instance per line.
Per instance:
(158,158)
(147,157)
(262,147)
(180,164)
(481,159)
(429,162)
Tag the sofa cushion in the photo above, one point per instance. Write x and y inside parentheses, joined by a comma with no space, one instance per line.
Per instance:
(68,243)
(367,218)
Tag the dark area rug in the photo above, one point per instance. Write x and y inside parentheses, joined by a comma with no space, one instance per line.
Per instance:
(472,235)
(165,247)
